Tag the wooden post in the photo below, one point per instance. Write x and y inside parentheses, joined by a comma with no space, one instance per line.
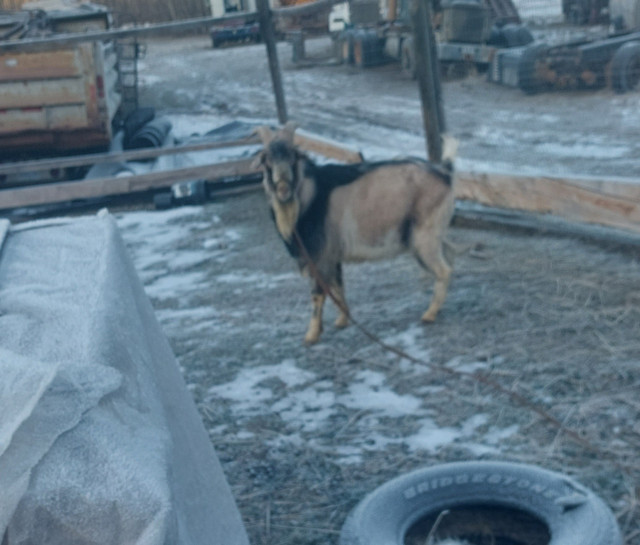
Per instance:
(428,76)
(269,37)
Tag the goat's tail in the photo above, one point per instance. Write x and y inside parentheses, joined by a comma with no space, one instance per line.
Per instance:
(449,152)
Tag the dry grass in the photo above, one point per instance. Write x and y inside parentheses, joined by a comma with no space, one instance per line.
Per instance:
(552,319)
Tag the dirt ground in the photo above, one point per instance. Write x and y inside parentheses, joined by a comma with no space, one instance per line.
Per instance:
(378,110)
(304,433)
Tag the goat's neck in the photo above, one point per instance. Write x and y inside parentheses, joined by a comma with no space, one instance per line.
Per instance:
(288,214)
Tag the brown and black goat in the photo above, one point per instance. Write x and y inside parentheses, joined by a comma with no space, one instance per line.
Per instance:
(334,213)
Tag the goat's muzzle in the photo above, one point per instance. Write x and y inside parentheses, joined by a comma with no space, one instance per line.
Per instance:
(284,192)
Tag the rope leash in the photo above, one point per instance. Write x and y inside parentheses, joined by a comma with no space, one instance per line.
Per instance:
(513,396)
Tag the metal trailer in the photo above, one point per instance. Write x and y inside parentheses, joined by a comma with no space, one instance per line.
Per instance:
(62,98)
(612,61)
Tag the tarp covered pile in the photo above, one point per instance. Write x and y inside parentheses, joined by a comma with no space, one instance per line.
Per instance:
(100,442)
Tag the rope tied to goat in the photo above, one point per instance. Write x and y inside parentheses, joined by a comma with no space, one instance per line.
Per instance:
(514,396)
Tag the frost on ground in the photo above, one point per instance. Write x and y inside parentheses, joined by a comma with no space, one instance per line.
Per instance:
(378,110)
(304,433)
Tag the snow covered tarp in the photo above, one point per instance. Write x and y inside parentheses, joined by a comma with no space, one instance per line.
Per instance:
(100,442)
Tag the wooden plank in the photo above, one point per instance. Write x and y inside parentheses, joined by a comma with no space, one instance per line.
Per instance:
(133,155)
(43,44)
(67,117)
(61,63)
(614,204)
(327,148)
(42,92)
(102,187)
(428,76)
(4,231)
(303,139)
(268,35)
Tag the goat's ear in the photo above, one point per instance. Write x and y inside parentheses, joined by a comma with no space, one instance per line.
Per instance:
(288,130)
(259,160)
(265,134)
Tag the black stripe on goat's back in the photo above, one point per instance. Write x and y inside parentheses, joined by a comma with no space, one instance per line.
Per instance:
(311,224)
(333,175)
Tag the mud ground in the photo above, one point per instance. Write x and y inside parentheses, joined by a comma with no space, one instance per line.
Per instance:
(304,433)
(378,110)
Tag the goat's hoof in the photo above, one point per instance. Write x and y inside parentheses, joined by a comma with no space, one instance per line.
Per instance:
(429,317)
(341,322)
(312,337)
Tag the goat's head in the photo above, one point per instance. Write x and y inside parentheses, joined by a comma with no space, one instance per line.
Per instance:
(279,161)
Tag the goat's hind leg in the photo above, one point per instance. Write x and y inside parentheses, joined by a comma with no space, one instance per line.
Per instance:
(315,325)
(429,253)
(337,290)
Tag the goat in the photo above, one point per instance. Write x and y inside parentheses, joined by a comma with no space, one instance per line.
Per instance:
(334,213)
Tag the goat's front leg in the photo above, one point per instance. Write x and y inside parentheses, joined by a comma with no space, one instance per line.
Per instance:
(338,292)
(315,325)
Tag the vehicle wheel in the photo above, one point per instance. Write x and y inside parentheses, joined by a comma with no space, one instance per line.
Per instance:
(408,58)
(137,119)
(516,35)
(529,79)
(347,43)
(514,503)
(625,67)
(367,49)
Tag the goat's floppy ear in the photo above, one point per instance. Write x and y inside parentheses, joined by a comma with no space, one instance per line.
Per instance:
(259,160)
(265,134)
(288,130)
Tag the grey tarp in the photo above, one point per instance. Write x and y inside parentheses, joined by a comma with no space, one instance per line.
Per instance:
(100,442)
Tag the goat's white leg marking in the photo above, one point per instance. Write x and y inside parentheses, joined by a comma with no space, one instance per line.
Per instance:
(430,255)
(315,325)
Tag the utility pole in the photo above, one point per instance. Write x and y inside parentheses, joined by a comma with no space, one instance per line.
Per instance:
(269,37)
(428,76)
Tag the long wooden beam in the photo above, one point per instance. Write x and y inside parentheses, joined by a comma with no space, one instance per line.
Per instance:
(149,30)
(306,141)
(614,203)
(104,187)
(50,193)
(122,156)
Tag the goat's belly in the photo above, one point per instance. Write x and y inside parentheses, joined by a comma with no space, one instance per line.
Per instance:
(358,250)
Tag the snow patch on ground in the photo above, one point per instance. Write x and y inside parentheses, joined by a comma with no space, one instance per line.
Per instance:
(369,408)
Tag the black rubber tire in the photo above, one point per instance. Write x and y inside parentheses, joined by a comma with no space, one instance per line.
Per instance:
(572,514)
(625,68)
(137,119)
(408,58)
(528,79)
(516,35)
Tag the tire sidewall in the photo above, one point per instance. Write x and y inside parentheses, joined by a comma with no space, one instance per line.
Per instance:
(620,64)
(385,516)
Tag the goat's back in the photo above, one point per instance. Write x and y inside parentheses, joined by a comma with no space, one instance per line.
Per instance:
(376,214)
